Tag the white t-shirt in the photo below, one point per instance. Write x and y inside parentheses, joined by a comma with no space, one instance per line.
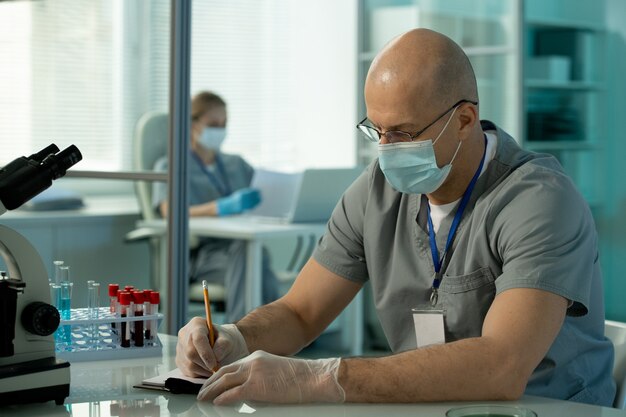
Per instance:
(439,212)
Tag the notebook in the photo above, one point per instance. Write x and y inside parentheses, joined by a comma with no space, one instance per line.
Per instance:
(173,381)
(305,197)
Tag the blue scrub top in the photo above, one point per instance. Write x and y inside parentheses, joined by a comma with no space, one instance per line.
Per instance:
(201,188)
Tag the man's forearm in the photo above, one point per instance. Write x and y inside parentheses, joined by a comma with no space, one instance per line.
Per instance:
(470,369)
(275,328)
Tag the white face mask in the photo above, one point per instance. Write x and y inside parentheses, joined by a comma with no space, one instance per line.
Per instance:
(411,167)
(212,137)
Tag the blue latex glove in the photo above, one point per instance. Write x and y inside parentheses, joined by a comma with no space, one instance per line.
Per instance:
(239,201)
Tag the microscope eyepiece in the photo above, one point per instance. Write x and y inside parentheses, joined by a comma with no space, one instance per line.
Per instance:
(24,178)
(58,164)
(42,154)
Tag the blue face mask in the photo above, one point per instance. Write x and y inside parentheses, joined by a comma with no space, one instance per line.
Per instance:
(411,167)
(212,137)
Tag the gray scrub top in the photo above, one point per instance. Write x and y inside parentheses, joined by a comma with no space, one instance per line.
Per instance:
(525,226)
(201,189)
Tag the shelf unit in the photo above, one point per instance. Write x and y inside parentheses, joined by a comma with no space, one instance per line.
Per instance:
(561,145)
(561,85)
(564,87)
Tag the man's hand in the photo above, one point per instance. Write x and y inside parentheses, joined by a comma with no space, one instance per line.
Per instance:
(194,355)
(265,377)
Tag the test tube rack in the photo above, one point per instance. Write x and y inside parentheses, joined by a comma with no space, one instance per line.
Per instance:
(83,338)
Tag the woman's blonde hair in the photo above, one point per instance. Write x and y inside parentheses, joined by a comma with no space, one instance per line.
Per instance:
(203,102)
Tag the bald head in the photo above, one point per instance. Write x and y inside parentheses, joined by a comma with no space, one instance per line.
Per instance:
(422,68)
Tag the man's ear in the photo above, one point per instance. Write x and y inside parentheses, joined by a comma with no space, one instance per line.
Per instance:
(468,117)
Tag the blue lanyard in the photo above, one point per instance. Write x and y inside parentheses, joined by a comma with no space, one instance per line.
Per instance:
(223,186)
(437,262)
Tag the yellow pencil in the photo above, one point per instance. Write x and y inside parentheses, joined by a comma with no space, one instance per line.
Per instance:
(207,309)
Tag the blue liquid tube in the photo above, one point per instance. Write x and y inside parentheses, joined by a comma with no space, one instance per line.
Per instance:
(55,300)
(93,310)
(65,305)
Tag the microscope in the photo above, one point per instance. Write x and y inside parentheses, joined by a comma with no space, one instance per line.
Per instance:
(29,370)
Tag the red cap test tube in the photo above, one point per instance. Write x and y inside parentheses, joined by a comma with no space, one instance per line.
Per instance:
(125,298)
(154,310)
(138,298)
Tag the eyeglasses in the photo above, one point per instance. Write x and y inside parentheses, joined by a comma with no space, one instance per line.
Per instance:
(394,136)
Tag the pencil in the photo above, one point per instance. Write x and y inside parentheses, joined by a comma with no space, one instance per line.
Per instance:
(207,309)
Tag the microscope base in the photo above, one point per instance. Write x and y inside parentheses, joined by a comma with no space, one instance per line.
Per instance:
(35,381)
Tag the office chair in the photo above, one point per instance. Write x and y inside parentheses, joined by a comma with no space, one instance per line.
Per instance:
(150,144)
(302,251)
(616,332)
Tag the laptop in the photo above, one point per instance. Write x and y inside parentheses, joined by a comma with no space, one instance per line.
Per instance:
(305,197)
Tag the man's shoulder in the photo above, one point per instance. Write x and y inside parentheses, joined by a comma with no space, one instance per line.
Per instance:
(529,180)
(539,189)
(513,164)
(541,169)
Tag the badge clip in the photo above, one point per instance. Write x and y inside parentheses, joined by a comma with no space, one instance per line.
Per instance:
(434,297)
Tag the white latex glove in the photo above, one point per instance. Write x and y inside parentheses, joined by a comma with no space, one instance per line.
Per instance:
(194,355)
(265,377)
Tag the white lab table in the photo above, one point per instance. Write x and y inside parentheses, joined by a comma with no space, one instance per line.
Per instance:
(254,232)
(104,388)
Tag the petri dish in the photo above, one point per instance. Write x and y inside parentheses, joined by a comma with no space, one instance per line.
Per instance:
(490,411)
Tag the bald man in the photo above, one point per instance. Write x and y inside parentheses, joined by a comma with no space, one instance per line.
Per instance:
(482,258)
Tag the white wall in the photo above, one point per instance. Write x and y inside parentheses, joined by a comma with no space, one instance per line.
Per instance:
(326,82)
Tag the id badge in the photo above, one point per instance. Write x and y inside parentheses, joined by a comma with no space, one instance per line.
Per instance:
(428,323)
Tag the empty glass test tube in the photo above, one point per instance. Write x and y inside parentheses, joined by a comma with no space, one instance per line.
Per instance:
(57,271)
(64,274)
(93,308)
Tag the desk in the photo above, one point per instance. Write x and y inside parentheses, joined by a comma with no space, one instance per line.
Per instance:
(254,232)
(95,207)
(104,388)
